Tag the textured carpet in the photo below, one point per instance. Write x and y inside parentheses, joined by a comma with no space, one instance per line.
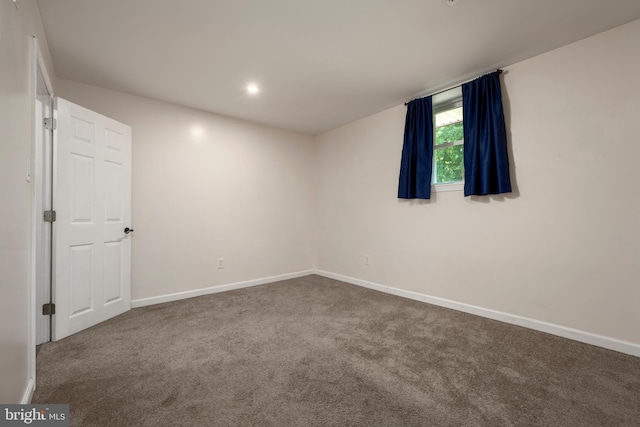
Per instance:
(318,352)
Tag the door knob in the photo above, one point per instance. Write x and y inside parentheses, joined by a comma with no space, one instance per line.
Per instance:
(128,230)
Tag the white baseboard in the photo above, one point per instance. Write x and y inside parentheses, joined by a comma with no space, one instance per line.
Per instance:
(28,392)
(538,325)
(215,289)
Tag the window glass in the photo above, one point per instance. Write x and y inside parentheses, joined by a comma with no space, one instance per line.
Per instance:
(448,160)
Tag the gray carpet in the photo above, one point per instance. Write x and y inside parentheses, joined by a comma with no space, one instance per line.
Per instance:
(318,352)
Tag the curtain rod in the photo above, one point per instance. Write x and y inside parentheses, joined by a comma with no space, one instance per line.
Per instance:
(499,71)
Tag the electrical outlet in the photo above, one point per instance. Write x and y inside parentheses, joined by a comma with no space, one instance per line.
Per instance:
(220,263)
(367,260)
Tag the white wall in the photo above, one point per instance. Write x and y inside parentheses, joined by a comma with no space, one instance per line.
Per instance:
(239,191)
(562,249)
(17,26)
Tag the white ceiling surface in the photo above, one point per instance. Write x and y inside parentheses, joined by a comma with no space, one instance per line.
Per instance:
(321,63)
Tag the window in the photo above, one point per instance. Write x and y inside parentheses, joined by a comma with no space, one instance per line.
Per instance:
(448,157)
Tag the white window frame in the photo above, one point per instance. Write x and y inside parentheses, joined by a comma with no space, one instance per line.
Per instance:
(445,186)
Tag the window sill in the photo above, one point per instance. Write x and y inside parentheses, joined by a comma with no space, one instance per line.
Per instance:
(442,188)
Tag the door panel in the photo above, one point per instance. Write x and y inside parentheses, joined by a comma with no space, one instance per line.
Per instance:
(113,272)
(92,199)
(113,192)
(80,285)
(81,192)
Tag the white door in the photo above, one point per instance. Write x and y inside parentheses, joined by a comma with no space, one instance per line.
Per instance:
(92,200)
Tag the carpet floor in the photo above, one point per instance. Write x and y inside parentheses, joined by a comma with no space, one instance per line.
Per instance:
(318,352)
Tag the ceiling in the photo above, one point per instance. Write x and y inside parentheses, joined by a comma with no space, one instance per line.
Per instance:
(319,64)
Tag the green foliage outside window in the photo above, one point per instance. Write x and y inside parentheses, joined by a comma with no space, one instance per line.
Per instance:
(449,133)
(449,160)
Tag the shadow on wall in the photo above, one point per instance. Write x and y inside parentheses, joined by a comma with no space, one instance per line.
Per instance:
(506,105)
(412,202)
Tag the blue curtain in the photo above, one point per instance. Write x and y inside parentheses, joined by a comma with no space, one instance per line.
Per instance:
(486,163)
(417,151)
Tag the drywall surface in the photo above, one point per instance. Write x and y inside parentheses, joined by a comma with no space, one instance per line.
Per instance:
(207,187)
(18,27)
(563,248)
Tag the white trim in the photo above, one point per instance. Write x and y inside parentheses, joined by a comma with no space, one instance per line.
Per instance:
(215,289)
(444,187)
(28,392)
(514,319)
(31,310)
(42,197)
(43,68)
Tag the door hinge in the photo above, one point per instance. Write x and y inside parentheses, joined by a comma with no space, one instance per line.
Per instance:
(50,124)
(49,216)
(48,309)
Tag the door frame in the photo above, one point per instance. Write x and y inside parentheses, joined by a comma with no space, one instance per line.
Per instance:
(42,172)
(41,186)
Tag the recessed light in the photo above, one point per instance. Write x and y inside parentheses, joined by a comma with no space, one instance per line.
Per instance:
(197,132)
(252,89)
